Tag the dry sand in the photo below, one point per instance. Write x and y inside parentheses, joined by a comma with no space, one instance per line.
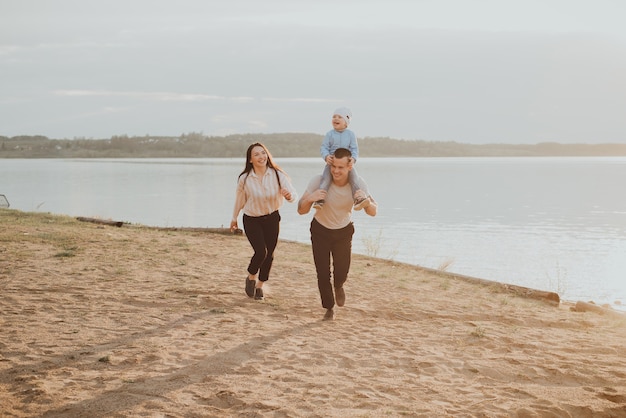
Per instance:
(99,321)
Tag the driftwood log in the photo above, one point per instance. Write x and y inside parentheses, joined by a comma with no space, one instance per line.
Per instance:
(543,295)
(224,231)
(100,221)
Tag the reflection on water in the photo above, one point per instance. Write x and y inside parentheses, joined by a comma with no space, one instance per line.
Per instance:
(549,223)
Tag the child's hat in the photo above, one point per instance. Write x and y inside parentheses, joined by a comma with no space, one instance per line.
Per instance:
(345,113)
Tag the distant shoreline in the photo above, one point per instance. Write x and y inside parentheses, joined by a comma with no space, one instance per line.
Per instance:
(281,145)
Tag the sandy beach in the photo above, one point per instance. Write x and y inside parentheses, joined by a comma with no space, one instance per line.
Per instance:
(131,321)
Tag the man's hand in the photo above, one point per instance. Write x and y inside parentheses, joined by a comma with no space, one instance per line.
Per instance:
(360,194)
(307,200)
(319,194)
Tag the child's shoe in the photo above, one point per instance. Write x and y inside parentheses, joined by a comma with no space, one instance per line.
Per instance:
(318,205)
(361,203)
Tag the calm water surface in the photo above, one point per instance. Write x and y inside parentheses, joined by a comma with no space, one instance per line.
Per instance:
(549,223)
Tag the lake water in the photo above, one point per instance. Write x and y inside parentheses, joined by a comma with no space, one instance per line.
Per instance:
(555,224)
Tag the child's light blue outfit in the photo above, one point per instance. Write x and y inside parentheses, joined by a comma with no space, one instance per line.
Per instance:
(344,139)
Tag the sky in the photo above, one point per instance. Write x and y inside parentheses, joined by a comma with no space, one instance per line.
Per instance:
(469,71)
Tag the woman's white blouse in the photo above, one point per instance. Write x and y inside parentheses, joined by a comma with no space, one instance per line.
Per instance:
(258,196)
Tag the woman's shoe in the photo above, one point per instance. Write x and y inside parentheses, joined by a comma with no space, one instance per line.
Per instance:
(250,284)
(258,294)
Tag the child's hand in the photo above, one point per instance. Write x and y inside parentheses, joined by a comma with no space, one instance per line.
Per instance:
(329,159)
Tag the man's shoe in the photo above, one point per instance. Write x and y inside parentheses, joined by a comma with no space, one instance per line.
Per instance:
(361,203)
(329,315)
(340,296)
(258,294)
(250,284)
(318,204)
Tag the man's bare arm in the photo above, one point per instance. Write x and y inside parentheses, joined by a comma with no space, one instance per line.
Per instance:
(307,200)
(372,209)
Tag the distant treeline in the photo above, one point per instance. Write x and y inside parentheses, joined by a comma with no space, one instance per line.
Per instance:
(281,145)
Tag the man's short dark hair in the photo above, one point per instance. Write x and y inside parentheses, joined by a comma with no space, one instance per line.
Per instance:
(342,153)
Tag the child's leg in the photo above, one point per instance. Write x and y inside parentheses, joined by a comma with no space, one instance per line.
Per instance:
(326,178)
(324,184)
(356,182)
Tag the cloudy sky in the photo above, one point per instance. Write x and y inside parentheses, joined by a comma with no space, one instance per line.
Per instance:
(472,71)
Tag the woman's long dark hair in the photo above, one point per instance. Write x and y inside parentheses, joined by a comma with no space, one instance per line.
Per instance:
(270,161)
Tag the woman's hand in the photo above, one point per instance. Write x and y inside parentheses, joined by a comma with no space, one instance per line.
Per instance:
(286,193)
(233,226)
